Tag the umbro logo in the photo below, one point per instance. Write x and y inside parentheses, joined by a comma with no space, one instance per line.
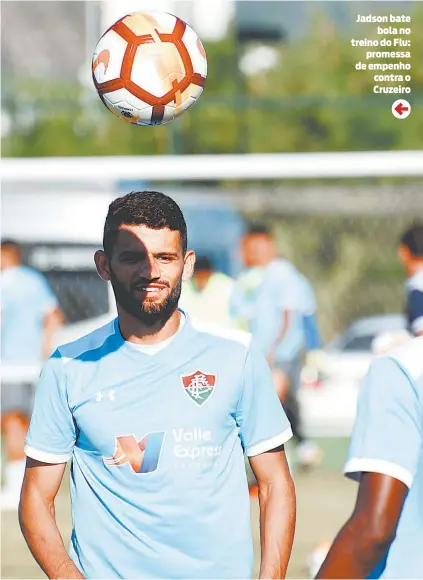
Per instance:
(105,395)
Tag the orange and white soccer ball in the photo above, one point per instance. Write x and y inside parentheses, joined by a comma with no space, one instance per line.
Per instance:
(149,67)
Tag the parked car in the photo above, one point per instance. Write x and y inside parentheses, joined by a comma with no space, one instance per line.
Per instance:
(350,352)
(330,408)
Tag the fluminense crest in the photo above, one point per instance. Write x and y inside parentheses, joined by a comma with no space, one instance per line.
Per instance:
(199,386)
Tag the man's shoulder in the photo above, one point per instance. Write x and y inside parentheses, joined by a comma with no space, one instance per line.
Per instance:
(284,270)
(223,278)
(216,334)
(221,284)
(23,272)
(90,343)
(281,265)
(409,357)
(415,282)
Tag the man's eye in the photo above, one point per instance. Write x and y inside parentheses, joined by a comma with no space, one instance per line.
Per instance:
(132,259)
(165,259)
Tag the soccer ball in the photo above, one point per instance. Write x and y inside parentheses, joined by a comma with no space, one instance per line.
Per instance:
(149,67)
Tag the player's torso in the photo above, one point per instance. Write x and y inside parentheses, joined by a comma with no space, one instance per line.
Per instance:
(279,279)
(158,465)
(404,560)
(212,302)
(142,414)
(22,316)
(414,293)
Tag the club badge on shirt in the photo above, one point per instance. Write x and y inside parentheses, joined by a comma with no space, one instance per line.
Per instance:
(199,386)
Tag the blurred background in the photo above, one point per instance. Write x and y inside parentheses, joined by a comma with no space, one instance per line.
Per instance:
(281,83)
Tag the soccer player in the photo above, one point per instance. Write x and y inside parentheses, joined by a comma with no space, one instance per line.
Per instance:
(207,294)
(30,316)
(384,536)
(155,410)
(411,254)
(276,303)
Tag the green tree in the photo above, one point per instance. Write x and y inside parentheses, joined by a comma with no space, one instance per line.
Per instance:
(314,100)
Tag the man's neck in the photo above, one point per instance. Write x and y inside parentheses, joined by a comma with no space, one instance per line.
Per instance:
(134,330)
(263,263)
(200,282)
(415,266)
(10,265)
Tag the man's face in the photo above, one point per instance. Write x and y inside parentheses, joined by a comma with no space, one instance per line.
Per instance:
(410,262)
(9,257)
(257,250)
(404,256)
(146,271)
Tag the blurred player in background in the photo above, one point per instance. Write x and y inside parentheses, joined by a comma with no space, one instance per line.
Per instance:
(30,317)
(158,483)
(277,305)
(207,294)
(384,536)
(411,254)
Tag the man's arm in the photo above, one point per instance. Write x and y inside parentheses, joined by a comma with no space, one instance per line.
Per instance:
(52,322)
(384,456)
(365,538)
(277,511)
(38,522)
(264,429)
(286,321)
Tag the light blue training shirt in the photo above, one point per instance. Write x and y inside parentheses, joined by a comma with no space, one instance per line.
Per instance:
(158,483)
(388,439)
(261,296)
(26,298)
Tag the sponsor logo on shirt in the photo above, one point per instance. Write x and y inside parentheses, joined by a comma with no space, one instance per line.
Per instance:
(194,444)
(142,455)
(199,386)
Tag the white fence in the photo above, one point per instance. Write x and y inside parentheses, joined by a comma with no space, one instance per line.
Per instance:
(216,167)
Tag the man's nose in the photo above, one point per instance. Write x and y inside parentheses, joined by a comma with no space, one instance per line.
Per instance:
(150,269)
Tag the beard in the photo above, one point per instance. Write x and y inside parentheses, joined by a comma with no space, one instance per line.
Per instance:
(149,312)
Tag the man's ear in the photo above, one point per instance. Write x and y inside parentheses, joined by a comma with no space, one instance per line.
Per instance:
(189,263)
(102,264)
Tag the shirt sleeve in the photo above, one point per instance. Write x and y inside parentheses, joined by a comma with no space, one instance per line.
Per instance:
(52,432)
(415,309)
(260,417)
(312,337)
(387,435)
(287,288)
(309,298)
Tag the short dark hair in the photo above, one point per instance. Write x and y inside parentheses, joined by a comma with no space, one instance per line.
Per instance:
(413,240)
(203,264)
(258,228)
(148,208)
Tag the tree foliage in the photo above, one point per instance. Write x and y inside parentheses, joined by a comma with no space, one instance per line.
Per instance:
(314,100)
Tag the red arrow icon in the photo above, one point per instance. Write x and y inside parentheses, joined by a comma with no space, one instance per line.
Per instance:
(400,109)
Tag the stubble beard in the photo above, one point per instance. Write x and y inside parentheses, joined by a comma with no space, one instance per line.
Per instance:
(149,312)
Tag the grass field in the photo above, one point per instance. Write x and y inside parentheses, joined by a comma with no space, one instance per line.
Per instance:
(324,500)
